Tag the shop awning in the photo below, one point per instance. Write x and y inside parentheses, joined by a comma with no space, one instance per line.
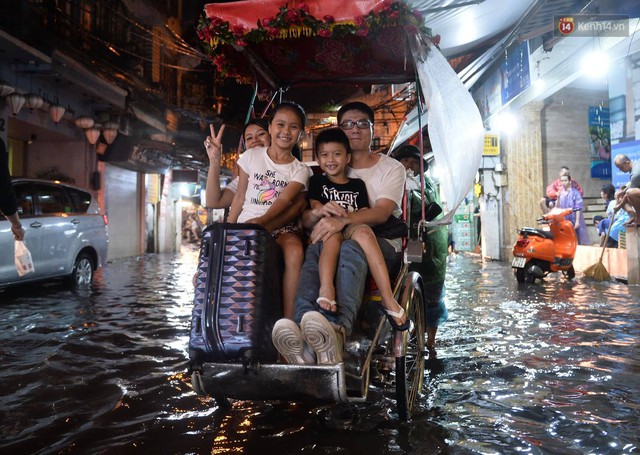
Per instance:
(140,155)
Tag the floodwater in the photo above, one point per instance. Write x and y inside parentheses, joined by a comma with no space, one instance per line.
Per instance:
(543,368)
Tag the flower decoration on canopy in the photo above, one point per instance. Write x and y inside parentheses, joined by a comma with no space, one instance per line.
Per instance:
(295,21)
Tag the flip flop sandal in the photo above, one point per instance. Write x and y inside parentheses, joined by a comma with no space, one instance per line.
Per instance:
(334,305)
(393,314)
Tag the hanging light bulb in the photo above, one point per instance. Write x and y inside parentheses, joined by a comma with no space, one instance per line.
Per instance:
(595,64)
(33,101)
(15,101)
(92,134)
(84,122)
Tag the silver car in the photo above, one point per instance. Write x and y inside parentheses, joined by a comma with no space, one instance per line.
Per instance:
(66,233)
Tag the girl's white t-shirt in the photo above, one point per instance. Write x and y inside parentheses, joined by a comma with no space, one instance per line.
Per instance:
(267,180)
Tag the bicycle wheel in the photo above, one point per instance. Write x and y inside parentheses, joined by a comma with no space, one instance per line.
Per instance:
(410,356)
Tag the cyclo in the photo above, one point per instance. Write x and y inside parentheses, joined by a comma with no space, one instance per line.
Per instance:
(316,45)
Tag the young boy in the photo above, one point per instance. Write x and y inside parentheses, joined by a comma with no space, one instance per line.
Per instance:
(346,195)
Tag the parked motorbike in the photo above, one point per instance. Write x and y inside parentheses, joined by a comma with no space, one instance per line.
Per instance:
(538,252)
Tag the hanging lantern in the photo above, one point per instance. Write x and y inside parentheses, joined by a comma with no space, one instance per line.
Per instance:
(5,88)
(33,101)
(56,112)
(84,122)
(111,125)
(109,134)
(110,131)
(15,101)
(92,134)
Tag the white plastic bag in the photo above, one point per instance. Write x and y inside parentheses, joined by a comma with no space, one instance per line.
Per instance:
(24,263)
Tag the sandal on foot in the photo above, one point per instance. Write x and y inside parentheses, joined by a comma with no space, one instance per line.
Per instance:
(393,314)
(332,303)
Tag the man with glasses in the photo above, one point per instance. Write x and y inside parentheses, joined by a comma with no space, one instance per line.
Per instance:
(384,178)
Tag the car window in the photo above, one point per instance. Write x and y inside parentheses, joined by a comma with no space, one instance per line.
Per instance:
(24,197)
(81,200)
(53,199)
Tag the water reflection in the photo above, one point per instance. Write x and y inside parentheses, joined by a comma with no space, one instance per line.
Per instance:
(540,368)
(533,365)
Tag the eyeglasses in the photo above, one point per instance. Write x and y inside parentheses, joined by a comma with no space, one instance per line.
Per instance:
(361,124)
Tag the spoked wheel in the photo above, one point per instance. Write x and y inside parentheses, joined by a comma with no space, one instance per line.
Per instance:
(82,273)
(410,351)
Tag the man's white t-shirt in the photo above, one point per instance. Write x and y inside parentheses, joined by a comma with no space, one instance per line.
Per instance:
(385,179)
(267,180)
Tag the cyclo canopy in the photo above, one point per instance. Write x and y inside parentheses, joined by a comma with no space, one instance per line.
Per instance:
(325,44)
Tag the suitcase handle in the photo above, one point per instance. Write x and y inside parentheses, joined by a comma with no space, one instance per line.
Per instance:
(247,247)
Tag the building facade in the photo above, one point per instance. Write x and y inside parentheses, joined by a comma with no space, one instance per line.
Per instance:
(105,94)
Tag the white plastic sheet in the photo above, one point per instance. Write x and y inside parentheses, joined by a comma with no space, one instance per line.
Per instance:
(455,125)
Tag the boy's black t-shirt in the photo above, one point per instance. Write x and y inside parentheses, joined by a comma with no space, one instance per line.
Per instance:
(352,196)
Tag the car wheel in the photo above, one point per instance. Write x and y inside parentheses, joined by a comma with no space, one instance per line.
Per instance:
(82,274)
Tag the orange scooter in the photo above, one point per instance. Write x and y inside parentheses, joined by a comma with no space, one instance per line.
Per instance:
(539,252)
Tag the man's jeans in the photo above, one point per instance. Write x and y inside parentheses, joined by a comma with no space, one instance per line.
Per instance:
(351,275)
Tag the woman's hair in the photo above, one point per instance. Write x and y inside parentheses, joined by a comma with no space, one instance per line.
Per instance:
(609,191)
(355,106)
(567,176)
(295,107)
(331,135)
(261,122)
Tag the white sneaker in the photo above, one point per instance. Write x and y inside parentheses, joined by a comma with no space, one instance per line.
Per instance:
(325,338)
(287,338)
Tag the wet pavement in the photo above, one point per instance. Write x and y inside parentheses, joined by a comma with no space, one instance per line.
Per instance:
(543,368)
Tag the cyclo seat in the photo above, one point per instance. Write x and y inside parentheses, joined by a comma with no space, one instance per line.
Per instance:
(539,232)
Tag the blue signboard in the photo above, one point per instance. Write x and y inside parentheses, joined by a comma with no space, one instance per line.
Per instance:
(632,150)
(515,72)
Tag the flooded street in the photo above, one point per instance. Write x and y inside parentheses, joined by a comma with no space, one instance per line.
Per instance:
(544,368)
